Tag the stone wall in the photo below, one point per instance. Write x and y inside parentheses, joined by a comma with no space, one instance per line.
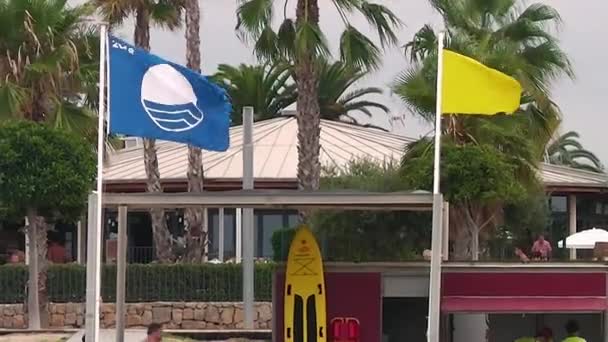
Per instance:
(171,315)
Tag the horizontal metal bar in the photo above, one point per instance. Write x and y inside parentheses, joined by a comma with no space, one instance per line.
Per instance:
(275,199)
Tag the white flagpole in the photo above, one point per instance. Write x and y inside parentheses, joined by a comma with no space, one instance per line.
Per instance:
(107,41)
(434,316)
(95,234)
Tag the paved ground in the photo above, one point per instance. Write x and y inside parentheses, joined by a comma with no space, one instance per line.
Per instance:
(133,335)
(34,337)
(109,335)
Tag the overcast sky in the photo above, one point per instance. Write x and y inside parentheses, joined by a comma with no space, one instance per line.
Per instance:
(582,34)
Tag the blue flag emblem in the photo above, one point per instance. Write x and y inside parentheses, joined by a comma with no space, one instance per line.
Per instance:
(154,98)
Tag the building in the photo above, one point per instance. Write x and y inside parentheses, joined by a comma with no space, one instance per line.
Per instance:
(275,167)
(577,200)
(475,295)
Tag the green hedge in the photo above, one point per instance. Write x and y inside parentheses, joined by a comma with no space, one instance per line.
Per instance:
(145,283)
(281,240)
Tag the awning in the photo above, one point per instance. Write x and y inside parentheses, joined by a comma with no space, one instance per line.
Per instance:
(511,304)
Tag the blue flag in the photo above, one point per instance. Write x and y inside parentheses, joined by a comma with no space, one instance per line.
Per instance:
(153,98)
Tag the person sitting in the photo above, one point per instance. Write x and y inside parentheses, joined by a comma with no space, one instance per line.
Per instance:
(541,249)
(573,331)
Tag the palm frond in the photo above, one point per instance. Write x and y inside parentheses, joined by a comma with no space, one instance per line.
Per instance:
(358,50)
(266,46)
(382,19)
(310,40)
(424,42)
(12,99)
(360,92)
(253,17)
(363,106)
(167,13)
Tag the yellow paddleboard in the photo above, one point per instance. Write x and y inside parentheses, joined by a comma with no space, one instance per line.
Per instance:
(305,315)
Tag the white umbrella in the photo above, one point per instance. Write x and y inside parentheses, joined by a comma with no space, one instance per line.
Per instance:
(585,239)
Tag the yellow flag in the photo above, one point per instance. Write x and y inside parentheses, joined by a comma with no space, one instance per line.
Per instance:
(470,87)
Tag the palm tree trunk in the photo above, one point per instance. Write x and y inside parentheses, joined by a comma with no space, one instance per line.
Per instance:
(162,236)
(43,267)
(38,265)
(196,236)
(308,114)
(33,310)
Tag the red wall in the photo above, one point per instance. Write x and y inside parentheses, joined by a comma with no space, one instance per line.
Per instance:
(356,295)
(524,284)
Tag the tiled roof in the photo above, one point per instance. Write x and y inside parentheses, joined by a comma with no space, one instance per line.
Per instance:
(557,175)
(276,155)
(275,152)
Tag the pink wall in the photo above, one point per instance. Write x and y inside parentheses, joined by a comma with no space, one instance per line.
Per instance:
(357,295)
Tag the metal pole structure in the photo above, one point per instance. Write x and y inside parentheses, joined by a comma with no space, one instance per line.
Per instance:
(445,249)
(121,273)
(433,331)
(238,257)
(92,306)
(79,243)
(248,236)
(94,263)
(220,220)
(27,242)
(572,216)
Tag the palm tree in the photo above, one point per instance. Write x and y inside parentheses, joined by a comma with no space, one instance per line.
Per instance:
(196,236)
(266,87)
(167,14)
(567,150)
(48,74)
(515,42)
(269,89)
(302,43)
(337,101)
(496,33)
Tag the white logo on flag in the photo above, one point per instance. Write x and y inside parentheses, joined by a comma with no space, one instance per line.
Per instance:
(169,99)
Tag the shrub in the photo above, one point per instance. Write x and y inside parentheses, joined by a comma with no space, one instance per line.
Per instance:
(281,240)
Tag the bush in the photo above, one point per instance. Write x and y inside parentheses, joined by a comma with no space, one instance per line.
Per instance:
(281,240)
(145,283)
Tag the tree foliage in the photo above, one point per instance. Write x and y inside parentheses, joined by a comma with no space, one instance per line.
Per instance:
(370,235)
(477,180)
(301,42)
(266,87)
(293,39)
(270,88)
(48,64)
(44,168)
(503,35)
(522,222)
(470,174)
(567,150)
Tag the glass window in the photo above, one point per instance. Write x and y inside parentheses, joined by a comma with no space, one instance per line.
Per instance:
(292,220)
(266,223)
(559,204)
(229,233)
(271,223)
